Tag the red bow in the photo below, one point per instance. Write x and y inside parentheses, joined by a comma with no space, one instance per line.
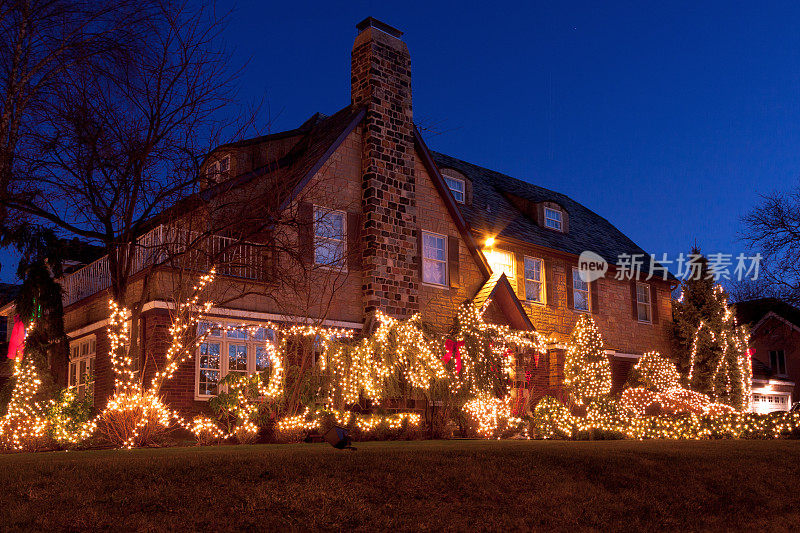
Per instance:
(449,344)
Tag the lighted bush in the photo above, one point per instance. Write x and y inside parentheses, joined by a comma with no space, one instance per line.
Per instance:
(69,418)
(654,372)
(24,434)
(206,431)
(134,420)
(552,420)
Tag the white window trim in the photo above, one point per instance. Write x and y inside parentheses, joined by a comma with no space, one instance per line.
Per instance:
(225,342)
(588,292)
(90,342)
(324,211)
(541,282)
(446,265)
(559,219)
(649,303)
(463,190)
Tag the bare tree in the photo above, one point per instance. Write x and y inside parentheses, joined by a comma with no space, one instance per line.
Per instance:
(773,229)
(41,41)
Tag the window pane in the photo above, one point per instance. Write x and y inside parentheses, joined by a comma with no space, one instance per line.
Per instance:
(433,247)
(330,225)
(577,283)
(533,269)
(581,300)
(456,187)
(209,367)
(533,291)
(502,261)
(213,329)
(72,373)
(643,312)
(434,272)
(329,252)
(237,358)
(262,358)
(642,293)
(236,334)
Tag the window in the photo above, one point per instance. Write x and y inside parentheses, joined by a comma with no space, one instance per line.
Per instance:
(502,261)
(533,280)
(434,258)
(329,237)
(3,328)
(553,218)
(241,351)
(82,355)
(777,362)
(456,187)
(580,292)
(643,302)
(218,168)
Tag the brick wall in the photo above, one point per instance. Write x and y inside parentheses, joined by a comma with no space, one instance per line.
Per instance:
(775,334)
(381,79)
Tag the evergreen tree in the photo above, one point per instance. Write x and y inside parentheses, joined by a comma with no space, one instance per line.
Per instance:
(587,372)
(710,348)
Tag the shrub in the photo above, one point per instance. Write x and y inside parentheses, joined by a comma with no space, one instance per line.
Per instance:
(134,419)
(552,420)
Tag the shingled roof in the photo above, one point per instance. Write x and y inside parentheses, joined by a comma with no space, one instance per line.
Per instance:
(492,212)
(752,311)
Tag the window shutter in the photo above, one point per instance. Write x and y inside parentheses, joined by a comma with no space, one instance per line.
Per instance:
(551,287)
(452,262)
(570,287)
(654,303)
(354,241)
(634,310)
(593,289)
(540,214)
(305,230)
(520,259)
(419,252)
(468,192)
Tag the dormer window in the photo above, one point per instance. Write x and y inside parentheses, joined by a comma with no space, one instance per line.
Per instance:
(553,219)
(218,168)
(456,183)
(456,187)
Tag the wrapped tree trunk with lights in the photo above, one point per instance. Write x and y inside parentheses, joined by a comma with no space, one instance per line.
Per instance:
(587,372)
(710,347)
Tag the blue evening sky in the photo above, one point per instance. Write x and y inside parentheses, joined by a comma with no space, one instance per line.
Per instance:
(668,118)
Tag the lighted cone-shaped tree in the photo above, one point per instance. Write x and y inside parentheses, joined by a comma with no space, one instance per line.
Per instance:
(24,426)
(710,346)
(587,372)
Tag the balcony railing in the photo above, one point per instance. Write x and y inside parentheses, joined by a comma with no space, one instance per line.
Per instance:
(170,246)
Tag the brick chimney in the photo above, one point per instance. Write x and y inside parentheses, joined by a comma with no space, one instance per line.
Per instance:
(381,80)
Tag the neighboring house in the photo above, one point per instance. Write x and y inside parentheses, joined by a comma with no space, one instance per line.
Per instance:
(406,231)
(775,347)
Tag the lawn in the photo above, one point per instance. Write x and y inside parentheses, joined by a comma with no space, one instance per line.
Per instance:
(429,485)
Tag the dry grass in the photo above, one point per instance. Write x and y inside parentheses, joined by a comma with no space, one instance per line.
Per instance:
(429,485)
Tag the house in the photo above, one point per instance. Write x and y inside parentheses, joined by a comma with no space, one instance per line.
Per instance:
(775,351)
(375,221)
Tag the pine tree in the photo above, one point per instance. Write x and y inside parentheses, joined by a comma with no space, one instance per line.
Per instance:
(710,348)
(587,372)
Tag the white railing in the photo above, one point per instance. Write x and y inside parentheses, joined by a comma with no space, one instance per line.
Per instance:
(172,247)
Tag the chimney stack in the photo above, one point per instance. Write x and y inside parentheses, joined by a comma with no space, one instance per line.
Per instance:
(381,81)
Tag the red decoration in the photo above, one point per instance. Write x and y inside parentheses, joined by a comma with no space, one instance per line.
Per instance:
(536,359)
(16,344)
(453,351)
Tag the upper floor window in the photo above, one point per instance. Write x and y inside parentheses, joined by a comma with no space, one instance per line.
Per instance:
(502,261)
(434,258)
(533,280)
(218,168)
(329,237)
(457,183)
(553,218)
(457,187)
(643,304)
(580,292)
(239,350)
(82,356)
(777,362)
